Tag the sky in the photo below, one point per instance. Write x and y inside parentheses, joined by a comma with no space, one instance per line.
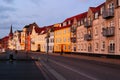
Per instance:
(19,13)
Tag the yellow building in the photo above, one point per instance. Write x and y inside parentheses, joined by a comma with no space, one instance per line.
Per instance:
(62,38)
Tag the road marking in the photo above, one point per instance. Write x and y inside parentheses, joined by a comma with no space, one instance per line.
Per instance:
(74,70)
(52,71)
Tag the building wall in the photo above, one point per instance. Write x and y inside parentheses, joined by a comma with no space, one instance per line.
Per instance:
(34,40)
(81,43)
(101,44)
(117,25)
(51,42)
(23,40)
(62,40)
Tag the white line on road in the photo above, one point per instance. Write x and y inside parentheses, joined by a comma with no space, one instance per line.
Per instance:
(74,70)
(52,71)
(56,74)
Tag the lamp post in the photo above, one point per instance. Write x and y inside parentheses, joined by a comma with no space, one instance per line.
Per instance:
(47,40)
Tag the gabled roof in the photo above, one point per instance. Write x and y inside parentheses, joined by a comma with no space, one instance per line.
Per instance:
(58,28)
(78,17)
(97,9)
(43,30)
(5,38)
(33,24)
(37,29)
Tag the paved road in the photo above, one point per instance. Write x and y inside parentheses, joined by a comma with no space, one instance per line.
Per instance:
(19,70)
(79,69)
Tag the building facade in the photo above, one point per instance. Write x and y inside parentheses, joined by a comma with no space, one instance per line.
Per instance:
(62,38)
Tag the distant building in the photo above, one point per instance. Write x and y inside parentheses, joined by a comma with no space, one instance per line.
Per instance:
(25,39)
(10,41)
(17,40)
(4,43)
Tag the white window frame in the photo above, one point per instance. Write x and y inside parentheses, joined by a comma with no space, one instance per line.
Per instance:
(118,2)
(96,15)
(119,23)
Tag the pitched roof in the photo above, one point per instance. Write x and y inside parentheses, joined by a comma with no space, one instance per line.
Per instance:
(5,38)
(78,17)
(63,27)
(97,9)
(33,24)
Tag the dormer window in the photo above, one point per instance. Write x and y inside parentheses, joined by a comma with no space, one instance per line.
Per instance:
(102,10)
(96,15)
(79,23)
(64,24)
(82,21)
(111,6)
(61,25)
(85,19)
(118,3)
(69,22)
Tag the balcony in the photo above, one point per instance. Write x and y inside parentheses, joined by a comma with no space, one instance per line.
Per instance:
(88,24)
(108,14)
(73,30)
(108,32)
(73,39)
(87,37)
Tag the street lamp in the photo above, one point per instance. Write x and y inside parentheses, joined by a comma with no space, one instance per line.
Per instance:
(47,40)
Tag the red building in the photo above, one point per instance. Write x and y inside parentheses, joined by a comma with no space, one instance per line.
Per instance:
(4,43)
(28,39)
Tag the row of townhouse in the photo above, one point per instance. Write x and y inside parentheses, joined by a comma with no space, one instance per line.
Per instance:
(95,31)
(4,44)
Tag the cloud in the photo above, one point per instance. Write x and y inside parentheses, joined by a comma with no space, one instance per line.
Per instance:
(2,16)
(36,2)
(5,8)
(8,1)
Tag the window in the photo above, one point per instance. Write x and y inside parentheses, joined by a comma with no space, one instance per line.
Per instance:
(64,39)
(64,24)
(102,10)
(118,2)
(96,15)
(78,23)
(96,31)
(111,7)
(119,44)
(103,44)
(82,22)
(85,46)
(69,47)
(97,46)
(82,35)
(69,22)
(78,35)
(112,23)
(119,23)
(64,31)
(64,47)
(68,39)
(81,47)
(111,46)
(89,47)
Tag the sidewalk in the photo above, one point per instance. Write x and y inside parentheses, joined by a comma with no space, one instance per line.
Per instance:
(99,59)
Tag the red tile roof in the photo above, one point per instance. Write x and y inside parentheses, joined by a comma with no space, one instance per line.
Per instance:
(5,38)
(58,28)
(97,9)
(78,17)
